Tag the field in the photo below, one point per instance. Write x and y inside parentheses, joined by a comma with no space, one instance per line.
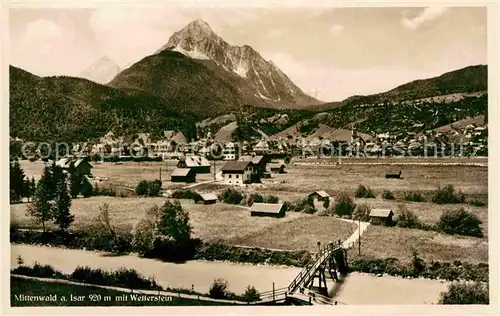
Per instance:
(384,242)
(232,224)
(212,223)
(26,287)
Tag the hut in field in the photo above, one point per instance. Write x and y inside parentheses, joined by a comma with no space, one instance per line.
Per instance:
(394,175)
(319,195)
(277,167)
(208,198)
(183,175)
(381,217)
(81,165)
(199,164)
(267,209)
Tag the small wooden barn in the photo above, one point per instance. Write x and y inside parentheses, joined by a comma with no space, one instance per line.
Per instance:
(320,195)
(183,175)
(208,198)
(394,175)
(381,216)
(267,209)
(277,167)
(199,164)
(81,165)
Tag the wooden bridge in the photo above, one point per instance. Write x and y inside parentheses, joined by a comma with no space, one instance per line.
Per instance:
(329,257)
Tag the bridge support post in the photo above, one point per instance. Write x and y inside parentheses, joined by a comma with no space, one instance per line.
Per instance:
(322,287)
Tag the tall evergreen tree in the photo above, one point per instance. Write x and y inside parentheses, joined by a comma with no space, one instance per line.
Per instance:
(75,179)
(62,215)
(42,207)
(17,186)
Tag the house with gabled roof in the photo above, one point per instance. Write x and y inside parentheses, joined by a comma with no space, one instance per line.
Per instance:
(237,172)
(183,175)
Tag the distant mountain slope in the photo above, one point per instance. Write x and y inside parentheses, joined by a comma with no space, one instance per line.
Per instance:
(199,73)
(181,83)
(75,109)
(102,71)
(466,80)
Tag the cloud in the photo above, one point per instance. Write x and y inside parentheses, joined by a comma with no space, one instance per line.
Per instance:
(427,14)
(45,48)
(337,29)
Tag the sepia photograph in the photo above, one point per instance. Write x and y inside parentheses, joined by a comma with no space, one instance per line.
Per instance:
(190,155)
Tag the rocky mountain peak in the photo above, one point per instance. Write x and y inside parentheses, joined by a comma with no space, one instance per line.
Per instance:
(101,71)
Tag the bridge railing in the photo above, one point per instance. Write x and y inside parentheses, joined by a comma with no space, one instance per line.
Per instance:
(311,267)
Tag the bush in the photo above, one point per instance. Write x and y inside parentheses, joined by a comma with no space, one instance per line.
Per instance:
(255,198)
(309,209)
(122,277)
(251,294)
(38,270)
(272,199)
(186,194)
(447,195)
(388,195)
(362,213)
(418,264)
(148,188)
(232,196)
(460,222)
(218,289)
(414,197)
(477,202)
(406,218)
(345,205)
(466,293)
(364,192)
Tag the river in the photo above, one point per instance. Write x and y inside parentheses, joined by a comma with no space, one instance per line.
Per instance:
(199,273)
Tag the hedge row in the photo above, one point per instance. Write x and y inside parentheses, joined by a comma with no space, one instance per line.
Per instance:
(451,271)
(128,278)
(168,251)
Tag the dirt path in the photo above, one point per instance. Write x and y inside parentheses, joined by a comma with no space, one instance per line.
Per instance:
(199,273)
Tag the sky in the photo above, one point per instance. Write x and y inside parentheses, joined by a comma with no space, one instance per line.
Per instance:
(330,53)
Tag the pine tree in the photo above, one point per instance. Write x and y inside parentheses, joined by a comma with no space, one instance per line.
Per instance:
(42,207)
(75,182)
(56,175)
(62,215)
(17,187)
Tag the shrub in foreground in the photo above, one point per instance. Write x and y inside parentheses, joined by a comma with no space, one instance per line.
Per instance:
(388,195)
(414,197)
(232,196)
(406,218)
(362,212)
(148,188)
(460,222)
(251,294)
(345,205)
(218,289)
(447,195)
(364,192)
(477,202)
(38,270)
(466,293)
(186,194)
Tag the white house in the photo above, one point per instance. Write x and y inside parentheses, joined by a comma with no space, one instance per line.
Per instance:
(230,151)
(237,172)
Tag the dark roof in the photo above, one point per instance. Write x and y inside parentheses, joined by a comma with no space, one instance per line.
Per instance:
(236,166)
(266,208)
(254,159)
(377,212)
(181,172)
